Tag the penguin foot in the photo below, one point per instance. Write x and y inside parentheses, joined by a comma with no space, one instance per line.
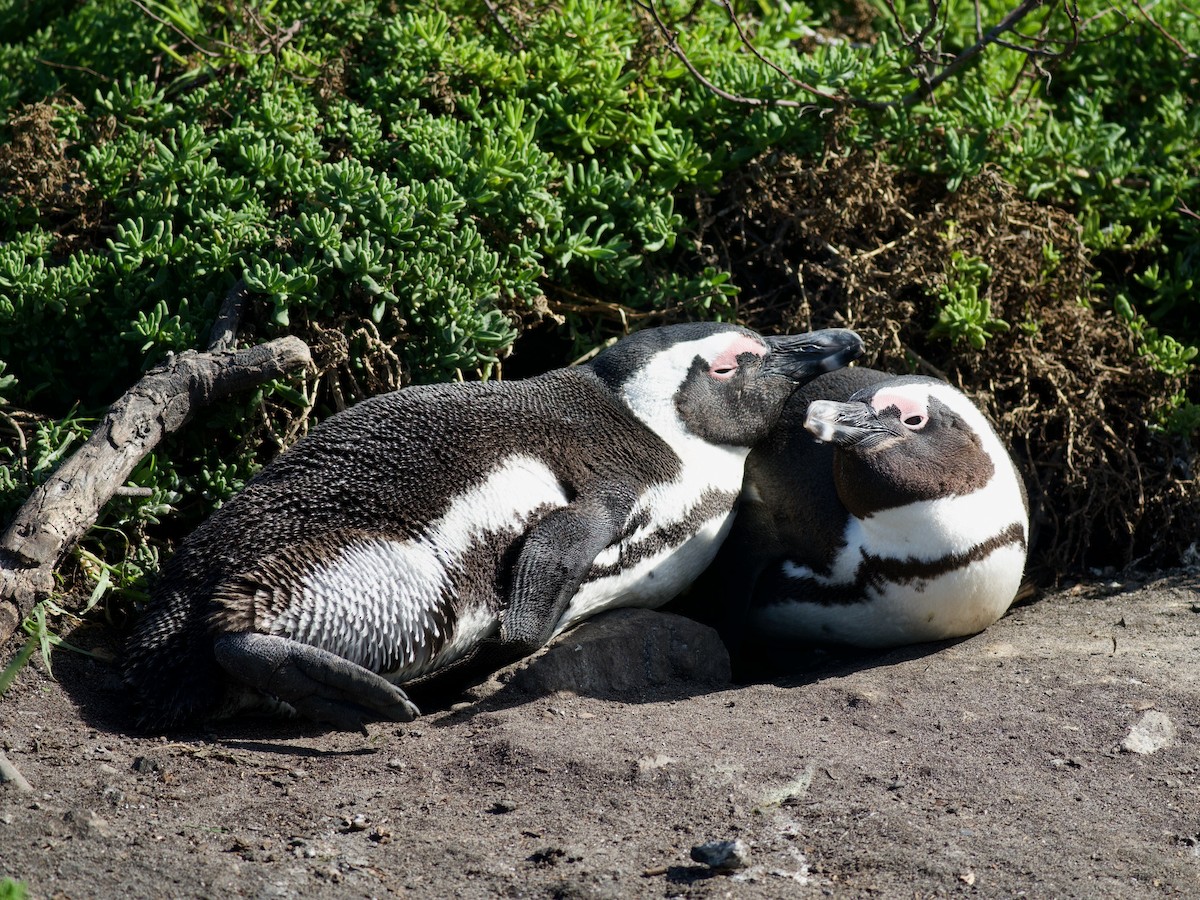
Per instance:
(316,683)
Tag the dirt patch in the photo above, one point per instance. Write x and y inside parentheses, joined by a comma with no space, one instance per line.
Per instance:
(41,178)
(991,766)
(852,241)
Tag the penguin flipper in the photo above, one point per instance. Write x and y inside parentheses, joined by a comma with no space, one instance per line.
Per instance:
(555,557)
(316,683)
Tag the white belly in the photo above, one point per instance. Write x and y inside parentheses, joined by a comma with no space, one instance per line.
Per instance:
(955,604)
(652,581)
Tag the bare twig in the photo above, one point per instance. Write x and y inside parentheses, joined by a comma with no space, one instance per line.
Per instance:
(271,43)
(956,65)
(804,86)
(84,69)
(494,12)
(175,28)
(931,68)
(672,38)
(1145,11)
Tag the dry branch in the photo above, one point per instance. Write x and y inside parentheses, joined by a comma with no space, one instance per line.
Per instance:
(61,511)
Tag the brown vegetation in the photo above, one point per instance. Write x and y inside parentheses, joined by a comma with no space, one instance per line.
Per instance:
(854,242)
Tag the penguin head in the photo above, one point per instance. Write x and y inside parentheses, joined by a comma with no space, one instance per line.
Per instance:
(905,440)
(720,383)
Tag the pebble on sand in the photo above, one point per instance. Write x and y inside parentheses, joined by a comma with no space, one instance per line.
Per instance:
(1154,731)
(722,856)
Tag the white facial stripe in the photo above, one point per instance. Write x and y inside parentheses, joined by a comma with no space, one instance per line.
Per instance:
(376,601)
(650,393)
(962,406)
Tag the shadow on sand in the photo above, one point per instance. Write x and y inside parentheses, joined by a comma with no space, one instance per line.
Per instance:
(626,656)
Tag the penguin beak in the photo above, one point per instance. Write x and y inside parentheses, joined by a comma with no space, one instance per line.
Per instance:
(844,424)
(802,357)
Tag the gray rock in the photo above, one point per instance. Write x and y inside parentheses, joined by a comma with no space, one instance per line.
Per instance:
(722,856)
(86,824)
(1154,731)
(619,653)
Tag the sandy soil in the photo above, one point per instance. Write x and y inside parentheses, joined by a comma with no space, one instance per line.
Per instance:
(994,766)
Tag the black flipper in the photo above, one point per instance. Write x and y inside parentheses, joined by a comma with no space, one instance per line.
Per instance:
(316,683)
(556,556)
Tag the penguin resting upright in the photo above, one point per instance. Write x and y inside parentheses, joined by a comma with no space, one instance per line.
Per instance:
(880,511)
(451,529)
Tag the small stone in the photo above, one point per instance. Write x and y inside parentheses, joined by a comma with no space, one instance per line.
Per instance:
(1154,731)
(722,856)
(396,763)
(502,806)
(356,823)
(87,824)
(148,765)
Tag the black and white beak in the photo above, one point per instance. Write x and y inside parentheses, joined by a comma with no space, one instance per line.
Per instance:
(802,357)
(847,424)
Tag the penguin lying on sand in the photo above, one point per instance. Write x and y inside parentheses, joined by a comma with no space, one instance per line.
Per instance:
(880,511)
(454,528)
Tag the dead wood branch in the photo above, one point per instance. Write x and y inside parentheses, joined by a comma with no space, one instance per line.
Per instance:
(61,511)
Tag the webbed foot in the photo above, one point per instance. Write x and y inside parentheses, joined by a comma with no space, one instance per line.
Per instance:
(316,683)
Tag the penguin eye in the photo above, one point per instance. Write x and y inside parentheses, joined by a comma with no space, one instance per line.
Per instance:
(912,411)
(723,372)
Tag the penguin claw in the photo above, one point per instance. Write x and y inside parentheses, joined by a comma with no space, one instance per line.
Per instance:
(316,683)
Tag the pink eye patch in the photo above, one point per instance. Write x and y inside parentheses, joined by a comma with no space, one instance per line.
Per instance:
(726,364)
(913,410)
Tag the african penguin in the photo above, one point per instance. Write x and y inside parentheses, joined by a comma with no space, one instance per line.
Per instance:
(446,530)
(879,511)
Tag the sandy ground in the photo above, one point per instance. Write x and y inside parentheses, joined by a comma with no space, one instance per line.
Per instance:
(1055,755)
